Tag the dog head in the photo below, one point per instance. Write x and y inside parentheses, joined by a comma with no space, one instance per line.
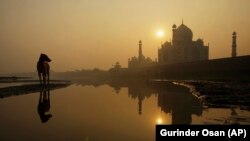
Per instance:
(44,57)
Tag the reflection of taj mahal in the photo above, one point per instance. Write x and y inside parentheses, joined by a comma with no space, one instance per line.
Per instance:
(182,48)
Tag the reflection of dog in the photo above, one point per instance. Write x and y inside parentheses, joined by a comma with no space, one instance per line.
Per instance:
(44,105)
(43,68)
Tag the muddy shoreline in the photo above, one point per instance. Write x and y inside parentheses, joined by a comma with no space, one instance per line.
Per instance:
(220,94)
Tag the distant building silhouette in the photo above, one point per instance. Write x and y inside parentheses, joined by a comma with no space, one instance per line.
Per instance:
(140,61)
(117,69)
(234,45)
(182,48)
(117,65)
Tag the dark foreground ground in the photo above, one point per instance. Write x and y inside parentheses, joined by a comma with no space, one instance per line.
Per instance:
(220,94)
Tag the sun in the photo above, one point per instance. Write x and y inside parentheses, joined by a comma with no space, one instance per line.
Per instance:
(159,33)
(159,121)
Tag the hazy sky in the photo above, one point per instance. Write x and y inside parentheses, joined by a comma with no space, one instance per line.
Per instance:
(79,34)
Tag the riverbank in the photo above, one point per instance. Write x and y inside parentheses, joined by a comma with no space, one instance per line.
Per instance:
(220,94)
(29,88)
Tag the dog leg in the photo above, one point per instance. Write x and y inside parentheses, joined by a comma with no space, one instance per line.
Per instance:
(44,79)
(39,74)
(48,79)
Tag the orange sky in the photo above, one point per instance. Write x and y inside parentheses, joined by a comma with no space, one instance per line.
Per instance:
(79,34)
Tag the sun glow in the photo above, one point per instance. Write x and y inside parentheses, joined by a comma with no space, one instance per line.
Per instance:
(159,33)
(159,121)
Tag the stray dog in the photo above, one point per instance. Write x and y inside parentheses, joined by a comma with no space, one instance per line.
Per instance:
(43,69)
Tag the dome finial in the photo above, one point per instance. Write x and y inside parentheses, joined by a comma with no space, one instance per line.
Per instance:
(182,21)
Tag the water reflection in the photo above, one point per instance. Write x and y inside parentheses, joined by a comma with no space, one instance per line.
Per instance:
(44,105)
(139,90)
(179,102)
(99,113)
(172,99)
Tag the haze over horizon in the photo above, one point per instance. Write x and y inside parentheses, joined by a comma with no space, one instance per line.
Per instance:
(86,34)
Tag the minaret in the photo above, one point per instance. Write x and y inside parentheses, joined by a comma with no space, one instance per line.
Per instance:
(174,31)
(140,51)
(234,45)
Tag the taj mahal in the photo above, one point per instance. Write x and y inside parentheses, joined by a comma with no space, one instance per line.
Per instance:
(182,48)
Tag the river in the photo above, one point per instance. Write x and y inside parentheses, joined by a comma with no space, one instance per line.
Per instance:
(117,112)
